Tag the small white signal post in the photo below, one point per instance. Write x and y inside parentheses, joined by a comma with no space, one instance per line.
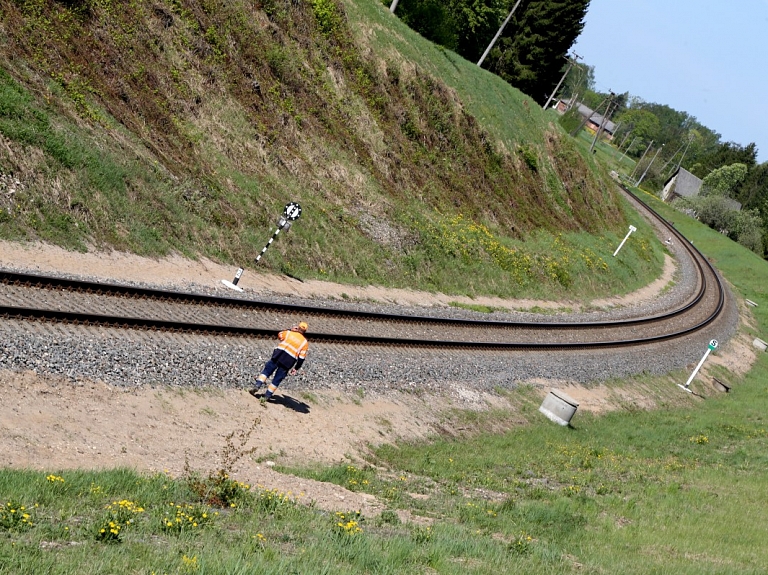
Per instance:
(631,229)
(712,347)
(291,213)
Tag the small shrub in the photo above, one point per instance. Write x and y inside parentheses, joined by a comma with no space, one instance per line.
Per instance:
(421,534)
(327,14)
(520,545)
(15,517)
(119,515)
(217,489)
(529,157)
(183,518)
(273,502)
(347,524)
(389,517)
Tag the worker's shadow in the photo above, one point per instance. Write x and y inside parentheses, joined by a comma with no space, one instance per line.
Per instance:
(285,401)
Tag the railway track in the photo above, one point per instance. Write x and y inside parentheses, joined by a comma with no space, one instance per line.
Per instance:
(40,298)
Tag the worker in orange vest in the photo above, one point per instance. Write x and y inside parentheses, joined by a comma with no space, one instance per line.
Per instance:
(288,357)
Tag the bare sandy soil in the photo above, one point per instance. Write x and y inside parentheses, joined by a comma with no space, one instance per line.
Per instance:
(51,424)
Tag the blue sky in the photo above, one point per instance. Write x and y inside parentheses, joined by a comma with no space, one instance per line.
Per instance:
(704,57)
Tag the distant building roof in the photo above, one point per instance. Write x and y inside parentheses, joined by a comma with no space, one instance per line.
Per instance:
(683,184)
(609,127)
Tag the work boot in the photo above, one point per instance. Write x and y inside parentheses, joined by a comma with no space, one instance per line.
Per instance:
(259,383)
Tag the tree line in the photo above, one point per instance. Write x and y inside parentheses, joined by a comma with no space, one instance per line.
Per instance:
(529,54)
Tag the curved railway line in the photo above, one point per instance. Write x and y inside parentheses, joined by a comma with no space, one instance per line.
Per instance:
(34,297)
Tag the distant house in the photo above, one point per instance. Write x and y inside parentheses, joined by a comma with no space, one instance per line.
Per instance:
(733,204)
(563,106)
(681,184)
(594,121)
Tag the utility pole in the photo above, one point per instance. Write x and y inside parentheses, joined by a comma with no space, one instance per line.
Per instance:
(602,124)
(625,138)
(496,37)
(618,126)
(690,139)
(624,155)
(588,118)
(568,69)
(672,157)
(649,166)
(641,159)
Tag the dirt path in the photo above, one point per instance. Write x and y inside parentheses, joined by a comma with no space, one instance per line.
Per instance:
(52,424)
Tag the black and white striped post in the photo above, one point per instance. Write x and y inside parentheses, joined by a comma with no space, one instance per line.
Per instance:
(291,213)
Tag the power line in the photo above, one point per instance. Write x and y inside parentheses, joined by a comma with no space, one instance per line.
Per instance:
(637,165)
(588,118)
(603,122)
(637,184)
(571,62)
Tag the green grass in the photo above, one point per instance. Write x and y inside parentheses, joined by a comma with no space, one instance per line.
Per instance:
(673,490)
(476,307)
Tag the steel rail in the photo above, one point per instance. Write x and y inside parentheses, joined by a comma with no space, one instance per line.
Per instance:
(173,326)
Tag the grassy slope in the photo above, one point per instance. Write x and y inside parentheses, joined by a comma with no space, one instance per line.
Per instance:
(187,125)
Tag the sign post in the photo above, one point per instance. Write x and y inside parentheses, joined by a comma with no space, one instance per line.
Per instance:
(631,229)
(291,213)
(712,347)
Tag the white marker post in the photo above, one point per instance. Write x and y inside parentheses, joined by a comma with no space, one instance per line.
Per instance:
(631,229)
(712,347)
(291,213)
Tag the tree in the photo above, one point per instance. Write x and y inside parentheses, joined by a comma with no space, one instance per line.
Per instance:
(753,191)
(578,81)
(643,124)
(715,209)
(723,155)
(530,53)
(476,22)
(753,195)
(703,142)
(750,231)
(464,26)
(592,99)
(673,124)
(723,181)
(430,18)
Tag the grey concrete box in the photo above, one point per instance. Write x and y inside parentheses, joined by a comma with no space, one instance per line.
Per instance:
(720,386)
(558,407)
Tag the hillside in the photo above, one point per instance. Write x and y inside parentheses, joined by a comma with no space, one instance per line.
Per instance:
(185,126)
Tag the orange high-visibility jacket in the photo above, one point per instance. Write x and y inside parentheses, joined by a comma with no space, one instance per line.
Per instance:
(293,343)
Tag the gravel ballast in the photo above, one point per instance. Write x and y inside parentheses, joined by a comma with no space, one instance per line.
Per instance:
(136,358)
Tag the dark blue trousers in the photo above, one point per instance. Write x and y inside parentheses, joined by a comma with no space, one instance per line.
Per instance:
(280,373)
